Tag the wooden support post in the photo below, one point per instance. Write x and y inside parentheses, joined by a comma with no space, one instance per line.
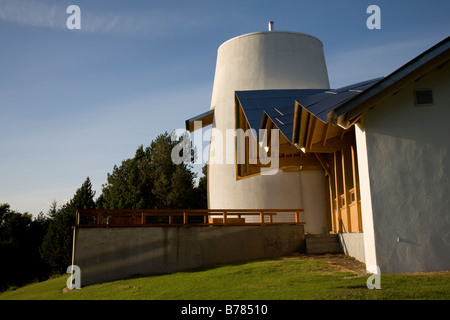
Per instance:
(330,187)
(347,208)
(247,154)
(356,186)
(312,125)
(224,217)
(337,219)
(261,217)
(170,219)
(297,217)
(185,218)
(325,134)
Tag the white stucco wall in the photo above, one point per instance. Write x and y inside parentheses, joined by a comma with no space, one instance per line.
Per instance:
(258,61)
(366,199)
(408,153)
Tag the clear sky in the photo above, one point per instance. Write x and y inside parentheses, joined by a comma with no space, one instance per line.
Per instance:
(74,103)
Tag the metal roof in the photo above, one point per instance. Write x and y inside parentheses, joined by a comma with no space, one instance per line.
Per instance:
(279,105)
(322,103)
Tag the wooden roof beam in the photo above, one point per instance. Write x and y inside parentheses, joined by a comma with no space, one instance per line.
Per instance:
(333,144)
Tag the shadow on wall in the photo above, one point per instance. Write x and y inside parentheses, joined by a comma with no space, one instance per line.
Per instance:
(106,254)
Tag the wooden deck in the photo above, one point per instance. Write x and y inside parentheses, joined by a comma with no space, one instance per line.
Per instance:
(100,218)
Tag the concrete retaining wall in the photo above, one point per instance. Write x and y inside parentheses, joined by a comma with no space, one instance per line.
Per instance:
(106,254)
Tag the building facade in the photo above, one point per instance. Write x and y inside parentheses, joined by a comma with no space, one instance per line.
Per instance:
(369,161)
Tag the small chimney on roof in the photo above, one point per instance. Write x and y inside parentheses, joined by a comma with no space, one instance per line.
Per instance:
(270,25)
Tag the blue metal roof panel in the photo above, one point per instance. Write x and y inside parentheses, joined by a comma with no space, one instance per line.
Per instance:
(278,104)
(359,86)
(322,103)
(321,108)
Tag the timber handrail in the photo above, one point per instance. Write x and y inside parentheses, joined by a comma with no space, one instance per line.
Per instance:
(179,217)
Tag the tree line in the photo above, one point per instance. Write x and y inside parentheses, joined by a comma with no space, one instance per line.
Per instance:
(34,249)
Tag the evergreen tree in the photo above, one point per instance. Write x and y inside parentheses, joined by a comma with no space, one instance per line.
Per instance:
(150,180)
(20,237)
(202,189)
(56,247)
(53,209)
(162,169)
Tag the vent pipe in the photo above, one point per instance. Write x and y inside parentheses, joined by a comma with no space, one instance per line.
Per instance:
(270,25)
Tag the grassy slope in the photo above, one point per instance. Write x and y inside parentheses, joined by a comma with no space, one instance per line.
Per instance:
(285,278)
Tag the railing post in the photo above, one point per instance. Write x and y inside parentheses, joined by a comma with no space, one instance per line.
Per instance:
(171,219)
(185,220)
(224,217)
(261,217)
(297,217)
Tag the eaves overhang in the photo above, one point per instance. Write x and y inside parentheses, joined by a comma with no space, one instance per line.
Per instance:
(206,119)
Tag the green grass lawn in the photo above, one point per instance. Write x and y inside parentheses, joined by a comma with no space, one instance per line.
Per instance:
(287,278)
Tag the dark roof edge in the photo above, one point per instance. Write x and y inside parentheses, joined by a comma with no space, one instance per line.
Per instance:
(199,117)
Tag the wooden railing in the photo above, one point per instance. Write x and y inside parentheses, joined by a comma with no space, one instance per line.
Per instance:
(180,217)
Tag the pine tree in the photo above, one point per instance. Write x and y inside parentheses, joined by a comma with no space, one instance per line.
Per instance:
(151,180)
(56,247)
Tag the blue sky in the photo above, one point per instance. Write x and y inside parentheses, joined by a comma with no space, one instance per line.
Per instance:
(74,103)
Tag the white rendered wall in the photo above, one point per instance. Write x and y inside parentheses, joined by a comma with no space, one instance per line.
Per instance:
(313,201)
(408,153)
(257,61)
(370,258)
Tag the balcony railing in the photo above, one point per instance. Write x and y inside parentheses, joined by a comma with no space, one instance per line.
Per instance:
(180,217)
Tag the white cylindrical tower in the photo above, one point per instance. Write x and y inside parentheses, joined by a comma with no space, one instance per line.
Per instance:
(259,61)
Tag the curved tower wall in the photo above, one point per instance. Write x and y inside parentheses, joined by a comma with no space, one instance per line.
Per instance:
(259,61)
